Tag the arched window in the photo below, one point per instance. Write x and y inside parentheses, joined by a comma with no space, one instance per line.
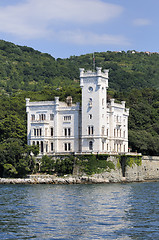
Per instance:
(90,145)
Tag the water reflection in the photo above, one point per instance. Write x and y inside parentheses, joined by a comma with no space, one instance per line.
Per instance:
(106,211)
(143,211)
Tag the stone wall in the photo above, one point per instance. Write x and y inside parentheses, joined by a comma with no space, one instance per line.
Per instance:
(148,171)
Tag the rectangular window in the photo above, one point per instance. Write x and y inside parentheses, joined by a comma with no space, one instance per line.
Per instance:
(67,132)
(34,132)
(51,117)
(103,129)
(91,145)
(103,146)
(42,117)
(90,130)
(67,118)
(102,101)
(40,131)
(37,132)
(52,147)
(52,131)
(90,116)
(107,132)
(46,147)
(67,146)
(33,117)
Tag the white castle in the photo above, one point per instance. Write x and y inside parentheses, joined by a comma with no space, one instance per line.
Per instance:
(98,126)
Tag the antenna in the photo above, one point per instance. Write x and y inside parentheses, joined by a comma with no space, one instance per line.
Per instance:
(94,63)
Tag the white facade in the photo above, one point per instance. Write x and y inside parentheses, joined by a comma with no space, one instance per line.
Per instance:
(97,127)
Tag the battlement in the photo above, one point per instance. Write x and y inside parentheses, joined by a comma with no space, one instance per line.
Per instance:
(99,76)
(90,73)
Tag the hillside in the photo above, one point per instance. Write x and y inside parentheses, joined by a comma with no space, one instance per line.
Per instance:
(23,68)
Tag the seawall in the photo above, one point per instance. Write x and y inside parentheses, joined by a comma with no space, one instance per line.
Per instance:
(147,171)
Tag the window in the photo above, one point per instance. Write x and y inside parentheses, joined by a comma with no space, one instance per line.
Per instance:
(33,117)
(90,102)
(42,117)
(34,132)
(37,132)
(67,146)
(67,132)
(52,131)
(90,89)
(33,143)
(90,130)
(102,146)
(67,118)
(107,132)
(102,101)
(46,147)
(52,147)
(42,147)
(51,117)
(90,145)
(40,131)
(103,130)
(90,116)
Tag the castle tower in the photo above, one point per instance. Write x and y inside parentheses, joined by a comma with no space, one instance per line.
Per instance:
(94,110)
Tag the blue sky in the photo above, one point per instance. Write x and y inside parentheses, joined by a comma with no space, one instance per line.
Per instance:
(64,28)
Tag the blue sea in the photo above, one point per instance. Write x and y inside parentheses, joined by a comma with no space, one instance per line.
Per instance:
(97,211)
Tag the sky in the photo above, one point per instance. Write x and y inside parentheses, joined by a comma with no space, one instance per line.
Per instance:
(65,28)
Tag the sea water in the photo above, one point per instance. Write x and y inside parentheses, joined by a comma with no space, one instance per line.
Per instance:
(97,211)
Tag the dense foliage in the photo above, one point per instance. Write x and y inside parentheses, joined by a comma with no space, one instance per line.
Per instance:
(24,72)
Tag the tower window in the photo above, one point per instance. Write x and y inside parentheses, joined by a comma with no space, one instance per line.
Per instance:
(90,145)
(42,117)
(90,130)
(67,118)
(103,130)
(67,132)
(52,147)
(51,117)
(52,131)
(90,89)
(90,116)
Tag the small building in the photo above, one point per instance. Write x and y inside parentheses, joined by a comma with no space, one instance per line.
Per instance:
(98,126)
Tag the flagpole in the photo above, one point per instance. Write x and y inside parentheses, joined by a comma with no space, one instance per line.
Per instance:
(94,63)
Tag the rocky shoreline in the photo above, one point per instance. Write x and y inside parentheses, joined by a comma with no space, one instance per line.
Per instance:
(69,180)
(55,180)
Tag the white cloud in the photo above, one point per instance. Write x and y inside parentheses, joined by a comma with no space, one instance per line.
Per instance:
(89,38)
(141,22)
(41,18)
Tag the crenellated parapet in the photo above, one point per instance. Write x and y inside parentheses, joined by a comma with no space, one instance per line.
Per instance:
(98,75)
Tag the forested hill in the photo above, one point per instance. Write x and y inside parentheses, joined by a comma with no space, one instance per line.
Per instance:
(23,68)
